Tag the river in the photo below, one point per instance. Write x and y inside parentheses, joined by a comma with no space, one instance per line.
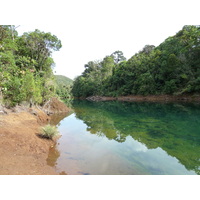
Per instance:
(128,138)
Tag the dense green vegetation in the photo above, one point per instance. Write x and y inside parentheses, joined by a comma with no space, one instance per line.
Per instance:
(173,67)
(64,85)
(63,80)
(26,66)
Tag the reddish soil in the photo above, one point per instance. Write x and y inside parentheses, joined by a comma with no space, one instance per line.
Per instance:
(55,106)
(22,151)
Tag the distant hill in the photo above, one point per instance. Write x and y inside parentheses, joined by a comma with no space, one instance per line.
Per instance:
(63,80)
(63,89)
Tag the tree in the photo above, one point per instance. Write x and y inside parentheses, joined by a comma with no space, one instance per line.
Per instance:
(26,65)
(107,66)
(170,68)
(147,49)
(38,46)
(118,56)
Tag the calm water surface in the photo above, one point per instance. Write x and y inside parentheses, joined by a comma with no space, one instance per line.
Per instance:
(128,138)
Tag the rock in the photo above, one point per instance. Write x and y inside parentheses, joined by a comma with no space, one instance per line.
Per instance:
(1,112)
(94,98)
(33,112)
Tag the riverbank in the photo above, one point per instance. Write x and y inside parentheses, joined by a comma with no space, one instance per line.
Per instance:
(149,98)
(22,151)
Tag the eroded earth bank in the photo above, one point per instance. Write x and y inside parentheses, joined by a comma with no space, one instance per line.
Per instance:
(22,151)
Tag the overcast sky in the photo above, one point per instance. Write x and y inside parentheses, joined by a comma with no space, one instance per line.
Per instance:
(92,29)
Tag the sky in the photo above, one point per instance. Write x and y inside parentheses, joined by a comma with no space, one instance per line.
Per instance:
(90,30)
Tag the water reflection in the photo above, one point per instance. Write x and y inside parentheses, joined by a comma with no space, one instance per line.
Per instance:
(57,117)
(54,153)
(172,127)
(129,138)
(53,156)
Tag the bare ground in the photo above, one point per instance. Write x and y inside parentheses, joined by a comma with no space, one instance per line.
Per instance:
(22,151)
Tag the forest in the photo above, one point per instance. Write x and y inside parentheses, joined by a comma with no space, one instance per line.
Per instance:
(171,68)
(64,86)
(26,69)
(26,66)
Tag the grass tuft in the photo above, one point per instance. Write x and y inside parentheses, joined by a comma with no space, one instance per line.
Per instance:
(49,131)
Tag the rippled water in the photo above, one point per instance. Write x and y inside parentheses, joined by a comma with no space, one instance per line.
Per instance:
(128,138)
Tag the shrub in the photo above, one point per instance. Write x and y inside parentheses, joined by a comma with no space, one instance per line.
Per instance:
(49,131)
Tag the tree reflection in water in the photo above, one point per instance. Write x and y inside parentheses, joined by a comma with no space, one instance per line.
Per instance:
(173,127)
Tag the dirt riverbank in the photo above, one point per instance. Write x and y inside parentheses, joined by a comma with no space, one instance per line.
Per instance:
(22,151)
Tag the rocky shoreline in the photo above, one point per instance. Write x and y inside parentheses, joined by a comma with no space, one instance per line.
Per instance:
(150,98)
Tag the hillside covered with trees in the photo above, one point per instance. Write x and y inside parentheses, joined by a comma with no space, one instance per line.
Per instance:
(173,68)
(64,85)
(63,80)
(26,66)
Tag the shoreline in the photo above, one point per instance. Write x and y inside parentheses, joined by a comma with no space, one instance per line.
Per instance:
(22,151)
(149,98)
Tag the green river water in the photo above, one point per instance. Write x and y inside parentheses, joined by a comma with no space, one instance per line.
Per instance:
(128,138)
